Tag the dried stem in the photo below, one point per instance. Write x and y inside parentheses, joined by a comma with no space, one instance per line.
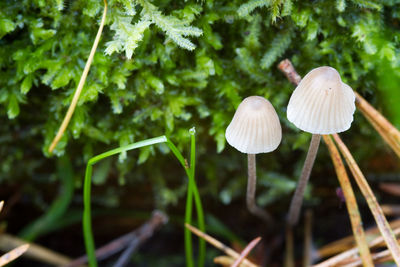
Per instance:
(391,210)
(348,242)
(370,112)
(385,134)
(378,257)
(13,254)
(351,203)
(137,236)
(246,251)
(251,190)
(376,210)
(227,250)
(297,200)
(37,252)
(143,233)
(226,261)
(350,254)
(390,188)
(291,74)
(81,83)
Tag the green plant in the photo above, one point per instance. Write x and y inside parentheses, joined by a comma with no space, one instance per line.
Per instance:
(192,192)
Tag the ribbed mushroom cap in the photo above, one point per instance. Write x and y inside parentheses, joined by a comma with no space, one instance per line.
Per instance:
(255,127)
(322,103)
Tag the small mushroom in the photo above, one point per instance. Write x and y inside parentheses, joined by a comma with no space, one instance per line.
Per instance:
(255,128)
(320,104)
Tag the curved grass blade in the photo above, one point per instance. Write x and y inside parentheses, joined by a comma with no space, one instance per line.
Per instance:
(192,190)
(87,221)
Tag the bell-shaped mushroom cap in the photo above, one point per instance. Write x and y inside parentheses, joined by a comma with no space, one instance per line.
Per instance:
(322,103)
(255,127)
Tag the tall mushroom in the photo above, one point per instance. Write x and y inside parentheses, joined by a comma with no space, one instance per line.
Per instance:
(255,128)
(320,104)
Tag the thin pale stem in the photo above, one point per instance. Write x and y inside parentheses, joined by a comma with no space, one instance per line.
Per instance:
(251,190)
(246,251)
(297,200)
(13,254)
(78,91)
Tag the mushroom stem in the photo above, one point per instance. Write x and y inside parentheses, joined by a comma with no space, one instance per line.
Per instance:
(297,199)
(251,190)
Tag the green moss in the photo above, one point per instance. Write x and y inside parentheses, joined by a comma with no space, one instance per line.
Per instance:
(165,66)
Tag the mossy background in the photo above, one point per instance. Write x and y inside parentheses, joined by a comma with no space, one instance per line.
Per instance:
(151,77)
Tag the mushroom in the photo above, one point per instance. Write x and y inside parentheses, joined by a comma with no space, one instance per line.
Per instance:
(320,104)
(255,128)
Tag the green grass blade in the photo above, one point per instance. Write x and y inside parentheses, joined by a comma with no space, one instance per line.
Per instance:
(197,200)
(189,207)
(87,219)
(188,219)
(188,210)
(147,142)
(192,191)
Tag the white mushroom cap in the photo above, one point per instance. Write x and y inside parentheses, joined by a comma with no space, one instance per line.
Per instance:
(255,127)
(322,103)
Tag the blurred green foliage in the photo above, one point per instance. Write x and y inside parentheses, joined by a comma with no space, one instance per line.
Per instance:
(164,66)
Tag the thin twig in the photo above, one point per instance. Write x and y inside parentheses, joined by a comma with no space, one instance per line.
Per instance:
(390,188)
(37,252)
(291,74)
(13,254)
(351,202)
(246,251)
(371,112)
(379,257)
(391,210)
(141,234)
(147,231)
(352,253)
(384,133)
(376,210)
(348,242)
(226,261)
(81,83)
(227,250)
(126,255)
